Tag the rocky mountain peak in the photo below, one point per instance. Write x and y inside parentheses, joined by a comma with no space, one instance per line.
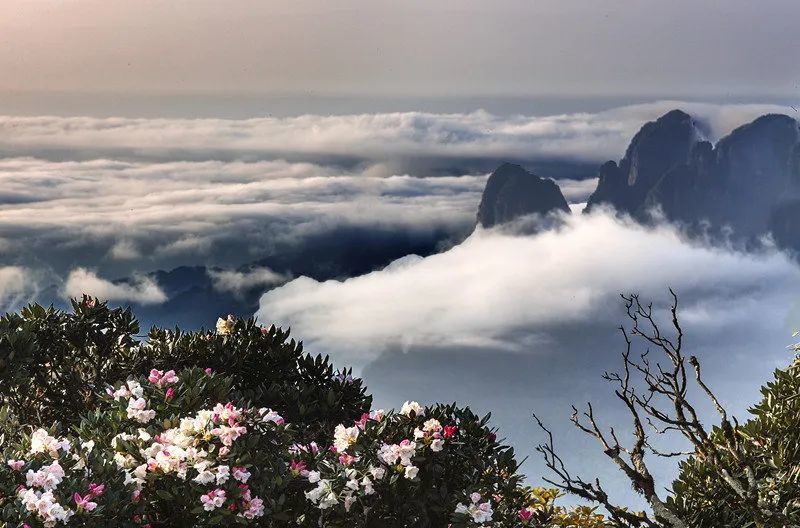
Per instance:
(512,192)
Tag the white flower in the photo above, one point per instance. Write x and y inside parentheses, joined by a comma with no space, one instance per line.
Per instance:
(225,326)
(137,410)
(42,442)
(323,495)
(377,472)
(432,426)
(412,406)
(437,445)
(367,483)
(480,512)
(411,472)
(205,477)
(344,437)
(313,477)
(223,474)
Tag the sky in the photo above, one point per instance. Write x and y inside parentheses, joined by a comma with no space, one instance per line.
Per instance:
(267,56)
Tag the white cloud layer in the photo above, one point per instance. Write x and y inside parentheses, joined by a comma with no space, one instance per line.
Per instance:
(398,138)
(141,194)
(17,285)
(238,282)
(496,285)
(124,214)
(141,290)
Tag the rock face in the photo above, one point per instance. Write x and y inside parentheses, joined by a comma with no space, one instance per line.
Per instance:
(659,146)
(748,184)
(512,192)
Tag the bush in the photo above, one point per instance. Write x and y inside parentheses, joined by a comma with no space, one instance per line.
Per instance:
(162,451)
(770,447)
(53,364)
(99,429)
(736,476)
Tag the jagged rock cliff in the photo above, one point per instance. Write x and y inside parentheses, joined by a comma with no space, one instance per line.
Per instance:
(512,192)
(658,147)
(747,185)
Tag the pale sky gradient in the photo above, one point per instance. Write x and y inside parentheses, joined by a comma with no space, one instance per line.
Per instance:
(392,48)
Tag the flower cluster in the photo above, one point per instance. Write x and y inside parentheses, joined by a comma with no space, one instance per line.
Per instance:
(477,509)
(137,406)
(45,495)
(200,449)
(363,456)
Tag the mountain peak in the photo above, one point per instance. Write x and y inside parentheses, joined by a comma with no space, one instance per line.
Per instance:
(512,192)
(658,146)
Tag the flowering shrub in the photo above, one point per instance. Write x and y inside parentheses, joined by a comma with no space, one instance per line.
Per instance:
(52,480)
(410,468)
(195,441)
(53,365)
(162,451)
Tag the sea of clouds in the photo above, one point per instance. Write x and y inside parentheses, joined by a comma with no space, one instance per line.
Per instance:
(95,199)
(514,323)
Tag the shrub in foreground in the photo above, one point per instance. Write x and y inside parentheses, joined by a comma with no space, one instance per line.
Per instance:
(232,426)
(53,364)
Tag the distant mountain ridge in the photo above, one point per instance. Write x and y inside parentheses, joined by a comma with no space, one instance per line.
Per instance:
(746,186)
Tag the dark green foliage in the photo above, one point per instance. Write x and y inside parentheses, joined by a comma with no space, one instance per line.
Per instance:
(770,446)
(54,363)
(472,460)
(268,369)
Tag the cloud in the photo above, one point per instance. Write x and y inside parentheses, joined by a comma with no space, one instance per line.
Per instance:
(510,324)
(134,195)
(496,284)
(140,290)
(403,140)
(238,282)
(124,250)
(577,191)
(17,285)
(128,215)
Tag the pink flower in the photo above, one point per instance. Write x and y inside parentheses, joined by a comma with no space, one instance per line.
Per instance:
(213,499)
(208,371)
(95,490)
(449,431)
(169,378)
(170,393)
(16,465)
(298,468)
(525,514)
(255,508)
(346,460)
(84,503)
(362,422)
(241,474)
(160,378)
